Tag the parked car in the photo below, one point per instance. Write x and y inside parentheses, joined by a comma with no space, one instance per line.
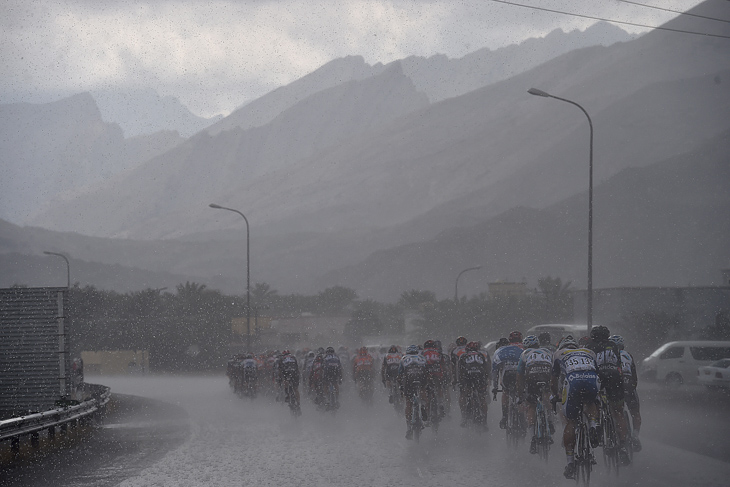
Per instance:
(715,375)
(676,363)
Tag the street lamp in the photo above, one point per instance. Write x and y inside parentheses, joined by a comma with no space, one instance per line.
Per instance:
(456,284)
(68,266)
(536,92)
(248,274)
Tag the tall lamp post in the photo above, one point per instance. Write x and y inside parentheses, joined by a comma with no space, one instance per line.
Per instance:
(589,304)
(248,274)
(68,266)
(456,284)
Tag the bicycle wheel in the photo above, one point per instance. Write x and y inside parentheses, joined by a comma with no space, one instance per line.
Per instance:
(542,434)
(584,457)
(610,443)
(416,421)
(629,435)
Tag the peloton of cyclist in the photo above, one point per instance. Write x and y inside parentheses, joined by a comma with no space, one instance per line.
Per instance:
(608,360)
(412,379)
(535,367)
(631,396)
(473,375)
(576,369)
(505,362)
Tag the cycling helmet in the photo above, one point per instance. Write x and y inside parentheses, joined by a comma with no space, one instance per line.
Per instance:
(531,341)
(503,342)
(600,333)
(310,354)
(461,341)
(472,346)
(568,341)
(583,341)
(515,337)
(330,350)
(412,349)
(618,340)
(286,352)
(438,345)
(544,338)
(248,356)
(320,351)
(393,349)
(429,344)
(362,351)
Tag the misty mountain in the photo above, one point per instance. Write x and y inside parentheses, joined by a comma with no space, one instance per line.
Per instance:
(369,164)
(144,112)
(663,224)
(214,167)
(441,78)
(58,148)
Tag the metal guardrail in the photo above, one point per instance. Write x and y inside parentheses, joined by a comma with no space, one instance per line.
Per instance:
(14,428)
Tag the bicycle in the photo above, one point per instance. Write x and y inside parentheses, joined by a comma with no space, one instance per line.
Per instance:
(541,429)
(395,396)
(516,427)
(434,409)
(584,459)
(416,419)
(611,444)
(291,399)
(474,411)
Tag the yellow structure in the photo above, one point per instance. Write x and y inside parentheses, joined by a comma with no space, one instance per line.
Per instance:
(238,325)
(508,289)
(116,362)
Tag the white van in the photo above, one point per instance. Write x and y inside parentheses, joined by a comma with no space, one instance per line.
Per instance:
(559,330)
(676,363)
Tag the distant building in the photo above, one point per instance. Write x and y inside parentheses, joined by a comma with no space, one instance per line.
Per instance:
(116,362)
(504,289)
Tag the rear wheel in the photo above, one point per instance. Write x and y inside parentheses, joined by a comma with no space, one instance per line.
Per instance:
(674,380)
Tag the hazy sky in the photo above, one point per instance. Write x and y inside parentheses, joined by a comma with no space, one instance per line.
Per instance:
(216,55)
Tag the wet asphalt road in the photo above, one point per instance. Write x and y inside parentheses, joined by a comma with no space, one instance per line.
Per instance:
(201,434)
(135,433)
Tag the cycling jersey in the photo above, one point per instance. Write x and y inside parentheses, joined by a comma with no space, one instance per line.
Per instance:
(608,362)
(332,368)
(474,371)
(362,365)
(288,368)
(389,367)
(505,363)
(412,373)
(577,367)
(536,365)
(434,364)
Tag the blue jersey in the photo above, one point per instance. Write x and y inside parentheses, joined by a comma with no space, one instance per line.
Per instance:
(506,359)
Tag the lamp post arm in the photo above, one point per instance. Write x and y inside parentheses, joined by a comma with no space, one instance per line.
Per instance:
(456,283)
(68,266)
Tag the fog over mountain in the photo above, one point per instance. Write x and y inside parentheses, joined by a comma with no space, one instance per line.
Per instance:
(144,112)
(52,149)
(328,176)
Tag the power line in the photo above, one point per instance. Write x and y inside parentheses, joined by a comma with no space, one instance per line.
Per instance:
(674,11)
(609,20)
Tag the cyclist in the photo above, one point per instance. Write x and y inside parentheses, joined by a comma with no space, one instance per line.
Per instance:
(546,341)
(505,363)
(362,372)
(435,372)
(412,378)
(628,369)
(389,370)
(535,366)
(456,352)
(307,370)
(576,369)
(316,379)
(333,373)
(608,360)
(250,373)
(288,374)
(473,375)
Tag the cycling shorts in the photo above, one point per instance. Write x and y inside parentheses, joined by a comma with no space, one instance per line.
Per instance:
(509,381)
(478,382)
(532,385)
(614,385)
(631,396)
(579,388)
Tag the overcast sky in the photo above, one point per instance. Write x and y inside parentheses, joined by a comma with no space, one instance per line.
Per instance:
(216,55)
